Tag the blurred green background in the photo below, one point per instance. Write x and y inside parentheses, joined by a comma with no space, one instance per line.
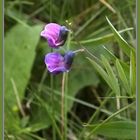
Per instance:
(99,89)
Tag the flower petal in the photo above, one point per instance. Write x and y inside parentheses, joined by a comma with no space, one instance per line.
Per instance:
(55,34)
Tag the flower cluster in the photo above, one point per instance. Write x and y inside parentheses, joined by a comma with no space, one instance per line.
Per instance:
(56,36)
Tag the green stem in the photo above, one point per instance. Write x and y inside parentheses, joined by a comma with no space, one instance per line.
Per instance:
(65,97)
(62,107)
(53,109)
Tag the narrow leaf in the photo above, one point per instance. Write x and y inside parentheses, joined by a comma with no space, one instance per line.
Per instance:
(111,76)
(122,43)
(101,40)
(123,77)
(118,129)
(103,73)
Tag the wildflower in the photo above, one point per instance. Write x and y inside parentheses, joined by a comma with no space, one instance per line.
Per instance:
(55,34)
(57,63)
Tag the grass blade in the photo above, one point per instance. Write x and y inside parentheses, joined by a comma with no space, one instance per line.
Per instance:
(122,43)
(116,129)
(109,118)
(113,80)
(123,77)
(101,40)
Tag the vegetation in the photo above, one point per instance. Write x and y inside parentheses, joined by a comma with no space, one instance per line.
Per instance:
(99,100)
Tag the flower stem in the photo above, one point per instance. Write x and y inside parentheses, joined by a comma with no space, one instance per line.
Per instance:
(53,110)
(62,106)
(80,50)
(65,102)
(52,104)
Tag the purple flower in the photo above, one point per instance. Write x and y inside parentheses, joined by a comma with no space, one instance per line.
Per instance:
(57,63)
(55,34)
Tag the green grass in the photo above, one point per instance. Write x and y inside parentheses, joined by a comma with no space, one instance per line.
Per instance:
(100,89)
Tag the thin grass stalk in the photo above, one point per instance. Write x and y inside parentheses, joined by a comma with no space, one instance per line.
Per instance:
(17,98)
(62,105)
(65,103)
(108,6)
(53,107)
(125,102)
(42,80)
(118,104)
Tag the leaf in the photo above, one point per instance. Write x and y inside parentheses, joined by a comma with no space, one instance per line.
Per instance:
(124,65)
(123,77)
(20,45)
(113,79)
(39,125)
(109,53)
(117,129)
(101,40)
(109,118)
(108,76)
(101,71)
(122,43)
